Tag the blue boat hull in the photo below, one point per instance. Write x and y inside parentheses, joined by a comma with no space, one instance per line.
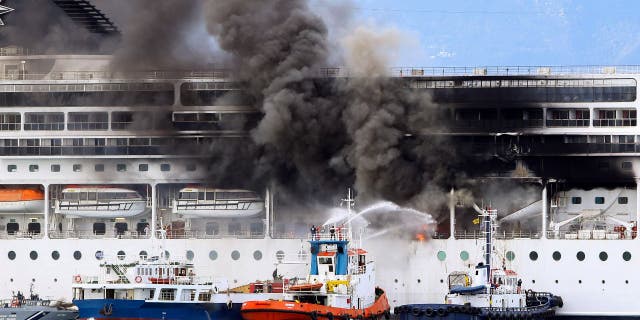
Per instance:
(460,312)
(139,309)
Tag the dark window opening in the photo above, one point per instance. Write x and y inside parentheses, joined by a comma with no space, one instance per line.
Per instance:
(13,228)
(99,228)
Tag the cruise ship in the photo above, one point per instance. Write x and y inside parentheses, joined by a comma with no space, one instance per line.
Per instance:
(91,170)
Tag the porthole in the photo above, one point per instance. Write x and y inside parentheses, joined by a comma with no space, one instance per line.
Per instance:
(235,255)
(213,255)
(556,281)
(626,256)
(556,255)
(99,255)
(121,255)
(33,279)
(395,280)
(579,281)
(464,255)
(533,281)
(580,256)
(143,254)
(419,281)
(55,255)
(602,281)
(11,279)
(11,255)
(533,256)
(77,255)
(441,281)
(603,256)
(167,255)
(280,254)
(33,255)
(257,255)
(626,281)
(510,255)
(442,255)
(190,255)
(55,279)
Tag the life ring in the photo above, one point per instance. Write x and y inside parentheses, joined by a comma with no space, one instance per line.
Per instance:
(138,279)
(441,312)
(77,278)
(416,312)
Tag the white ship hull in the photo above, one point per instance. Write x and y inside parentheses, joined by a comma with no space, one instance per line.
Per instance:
(410,273)
(17,207)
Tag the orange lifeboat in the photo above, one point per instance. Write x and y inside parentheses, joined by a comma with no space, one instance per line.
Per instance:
(21,200)
(293,310)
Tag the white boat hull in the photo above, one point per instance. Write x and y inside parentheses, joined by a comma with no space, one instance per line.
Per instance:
(105,210)
(27,206)
(226,210)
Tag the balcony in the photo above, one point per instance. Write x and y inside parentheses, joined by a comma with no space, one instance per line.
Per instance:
(567,122)
(614,122)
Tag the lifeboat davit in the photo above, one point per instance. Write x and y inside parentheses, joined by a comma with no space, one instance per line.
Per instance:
(292,310)
(19,200)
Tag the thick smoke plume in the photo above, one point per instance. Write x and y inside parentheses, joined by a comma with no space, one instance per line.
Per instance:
(318,134)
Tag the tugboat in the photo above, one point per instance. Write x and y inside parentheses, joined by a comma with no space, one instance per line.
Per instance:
(158,288)
(486,292)
(340,284)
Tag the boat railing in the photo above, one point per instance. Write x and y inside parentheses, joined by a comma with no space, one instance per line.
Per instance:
(339,233)
(15,303)
(21,235)
(476,234)
(508,70)
(55,234)
(591,235)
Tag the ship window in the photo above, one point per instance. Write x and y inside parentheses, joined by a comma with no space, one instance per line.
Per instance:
(464,255)
(603,256)
(142,228)
(143,167)
(121,228)
(441,255)
(55,168)
(77,167)
(99,167)
(580,256)
(626,165)
(599,200)
(210,196)
(626,256)
(121,167)
(121,255)
(234,228)
(212,228)
(191,167)
(99,228)
(13,228)
(165,167)
(143,254)
(533,256)
(510,255)
(33,255)
(77,255)
(576,200)
(91,196)
(623,200)
(33,168)
(190,255)
(167,294)
(12,168)
(33,228)
(556,255)
(55,255)
(200,195)
(99,255)
(257,255)
(213,255)
(235,255)
(11,255)
(257,228)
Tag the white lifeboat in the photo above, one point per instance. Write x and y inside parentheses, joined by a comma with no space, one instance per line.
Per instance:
(201,202)
(100,202)
(21,200)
